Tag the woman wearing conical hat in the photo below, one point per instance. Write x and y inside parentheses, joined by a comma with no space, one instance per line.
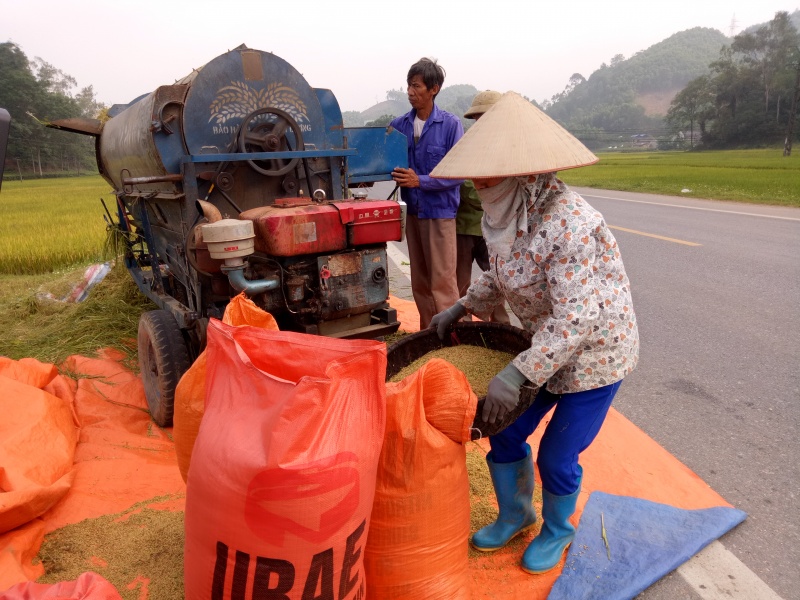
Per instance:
(555,262)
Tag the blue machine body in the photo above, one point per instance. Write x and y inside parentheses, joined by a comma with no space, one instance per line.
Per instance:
(197,119)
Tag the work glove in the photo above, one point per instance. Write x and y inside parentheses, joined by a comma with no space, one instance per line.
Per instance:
(441,321)
(503,393)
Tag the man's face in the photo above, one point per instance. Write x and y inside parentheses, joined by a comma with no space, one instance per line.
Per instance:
(418,95)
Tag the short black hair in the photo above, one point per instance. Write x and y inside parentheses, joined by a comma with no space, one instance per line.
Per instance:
(431,73)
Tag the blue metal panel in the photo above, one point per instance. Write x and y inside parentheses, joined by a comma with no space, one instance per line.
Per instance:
(364,285)
(203,158)
(380,149)
(335,136)
(241,81)
(333,117)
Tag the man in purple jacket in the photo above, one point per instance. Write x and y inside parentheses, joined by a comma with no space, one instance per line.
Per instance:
(432,203)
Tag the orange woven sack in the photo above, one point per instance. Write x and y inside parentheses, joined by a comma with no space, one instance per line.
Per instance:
(419,528)
(190,394)
(282,478)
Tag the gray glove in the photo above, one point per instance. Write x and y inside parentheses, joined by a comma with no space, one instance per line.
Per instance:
(503,393)
(441,321)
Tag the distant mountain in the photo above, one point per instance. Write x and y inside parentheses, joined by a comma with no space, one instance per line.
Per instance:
(635,93)
(625,97)
(454,98)
(387,107)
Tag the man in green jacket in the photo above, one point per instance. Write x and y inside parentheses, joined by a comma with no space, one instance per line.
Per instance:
(469,237)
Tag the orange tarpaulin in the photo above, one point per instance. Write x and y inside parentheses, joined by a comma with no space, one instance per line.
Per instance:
(117,456)
(79,447)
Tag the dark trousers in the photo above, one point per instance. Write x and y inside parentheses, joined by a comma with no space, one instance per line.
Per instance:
(573,426)
(469,248)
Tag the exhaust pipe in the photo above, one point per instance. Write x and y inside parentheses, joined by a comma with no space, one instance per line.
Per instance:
(208,210)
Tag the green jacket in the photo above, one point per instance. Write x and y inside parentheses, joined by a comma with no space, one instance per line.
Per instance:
(468,217)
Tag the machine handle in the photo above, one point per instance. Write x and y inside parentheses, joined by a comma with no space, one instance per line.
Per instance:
(151,179)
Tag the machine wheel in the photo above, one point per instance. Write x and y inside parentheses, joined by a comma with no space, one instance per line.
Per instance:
(258,135)
(163,359)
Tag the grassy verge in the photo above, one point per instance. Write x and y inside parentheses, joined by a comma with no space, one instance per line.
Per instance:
(755,176)
(50,331)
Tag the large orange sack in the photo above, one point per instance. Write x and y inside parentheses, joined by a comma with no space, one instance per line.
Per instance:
(190,394)
(282,476)
(420,523)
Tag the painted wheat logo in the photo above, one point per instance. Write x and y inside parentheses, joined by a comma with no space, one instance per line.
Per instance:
(237,100)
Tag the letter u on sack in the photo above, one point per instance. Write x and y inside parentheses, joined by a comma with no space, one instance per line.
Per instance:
(282,477)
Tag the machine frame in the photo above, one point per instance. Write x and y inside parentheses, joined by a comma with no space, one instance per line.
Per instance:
(171,177)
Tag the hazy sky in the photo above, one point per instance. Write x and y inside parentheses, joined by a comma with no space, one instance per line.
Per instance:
(357,48)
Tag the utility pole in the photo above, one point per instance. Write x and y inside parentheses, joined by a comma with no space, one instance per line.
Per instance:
(787,144)
(733,26)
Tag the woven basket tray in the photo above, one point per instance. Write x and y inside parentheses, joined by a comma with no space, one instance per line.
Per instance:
(495,336)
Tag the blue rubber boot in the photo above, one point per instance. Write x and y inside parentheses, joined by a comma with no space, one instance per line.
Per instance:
(546,549)
(513,486)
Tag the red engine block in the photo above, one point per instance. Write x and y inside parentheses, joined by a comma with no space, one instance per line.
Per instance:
(298,226)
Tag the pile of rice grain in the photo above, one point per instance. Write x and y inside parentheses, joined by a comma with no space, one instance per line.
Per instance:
(479,364)
(129,548)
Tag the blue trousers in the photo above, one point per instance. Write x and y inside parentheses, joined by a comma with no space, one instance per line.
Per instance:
(574,425)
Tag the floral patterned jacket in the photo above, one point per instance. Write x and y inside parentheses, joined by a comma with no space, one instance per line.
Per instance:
(565,281)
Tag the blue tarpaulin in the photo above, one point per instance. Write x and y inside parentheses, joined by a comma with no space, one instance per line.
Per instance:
(646,540)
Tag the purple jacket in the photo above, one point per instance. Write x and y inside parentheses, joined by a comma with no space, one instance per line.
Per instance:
(434,198)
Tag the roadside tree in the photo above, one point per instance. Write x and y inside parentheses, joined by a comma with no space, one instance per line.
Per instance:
(34,92)
(693,105)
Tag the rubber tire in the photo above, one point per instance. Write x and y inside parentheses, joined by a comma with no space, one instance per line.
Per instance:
(163,359)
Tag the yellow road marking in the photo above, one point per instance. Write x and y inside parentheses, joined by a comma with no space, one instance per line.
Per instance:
(653,235)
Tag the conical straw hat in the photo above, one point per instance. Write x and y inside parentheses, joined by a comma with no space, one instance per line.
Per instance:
(482,102)
(513,138)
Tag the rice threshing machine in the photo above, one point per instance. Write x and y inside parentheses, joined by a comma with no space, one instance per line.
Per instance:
(240,177)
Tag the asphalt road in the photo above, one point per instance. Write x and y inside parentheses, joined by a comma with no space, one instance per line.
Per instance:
(716,289)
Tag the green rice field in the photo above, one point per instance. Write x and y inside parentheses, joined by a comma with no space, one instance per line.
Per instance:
(48,224)
(761,176)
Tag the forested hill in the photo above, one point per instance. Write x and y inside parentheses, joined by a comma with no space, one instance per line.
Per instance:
(628,96)
(635,92)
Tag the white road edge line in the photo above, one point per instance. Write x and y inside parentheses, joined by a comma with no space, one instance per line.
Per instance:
(716,574)
(398,258)
(730,212)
